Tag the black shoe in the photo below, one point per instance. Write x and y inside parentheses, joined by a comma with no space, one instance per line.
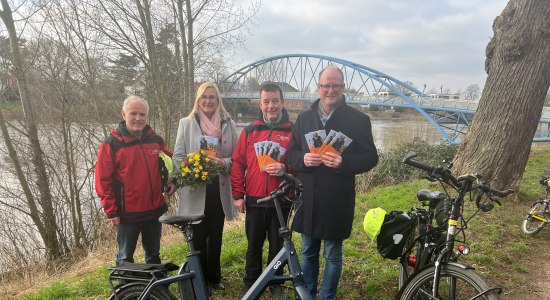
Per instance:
(217,286)
(278,292)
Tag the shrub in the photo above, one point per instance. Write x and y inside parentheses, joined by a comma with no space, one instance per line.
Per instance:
(391,170)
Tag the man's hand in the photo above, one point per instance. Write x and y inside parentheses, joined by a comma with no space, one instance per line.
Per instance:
(114,221)
(332,160)
(170,189)
(312,160)
(275,169)
(240,204)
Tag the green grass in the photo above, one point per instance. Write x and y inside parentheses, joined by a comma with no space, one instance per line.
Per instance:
(499,249)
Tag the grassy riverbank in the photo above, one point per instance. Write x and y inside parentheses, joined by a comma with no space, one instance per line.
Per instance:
(500,252)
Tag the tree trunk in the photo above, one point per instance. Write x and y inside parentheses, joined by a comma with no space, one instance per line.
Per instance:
(46,219)
(518,66)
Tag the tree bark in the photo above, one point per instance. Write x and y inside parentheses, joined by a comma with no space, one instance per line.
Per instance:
(518,66)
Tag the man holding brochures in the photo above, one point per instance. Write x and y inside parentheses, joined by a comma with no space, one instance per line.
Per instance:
(257,160)
(328,174)
(208,121)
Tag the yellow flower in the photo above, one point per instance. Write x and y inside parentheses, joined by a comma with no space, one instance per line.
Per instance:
(196,175)
(190,160)
(186,170)
(207,159)
(197,171)
(203,177)
(204,173)
(196,164)
(200,168)
(197,157)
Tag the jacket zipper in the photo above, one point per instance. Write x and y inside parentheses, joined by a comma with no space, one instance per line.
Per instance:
(148,173)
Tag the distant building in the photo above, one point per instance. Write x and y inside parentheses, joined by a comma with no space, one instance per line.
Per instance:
(445,96)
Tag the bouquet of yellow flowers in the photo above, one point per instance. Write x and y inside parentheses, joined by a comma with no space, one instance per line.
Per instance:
(196,170)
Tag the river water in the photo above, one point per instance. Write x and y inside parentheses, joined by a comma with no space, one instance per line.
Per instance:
(388,133)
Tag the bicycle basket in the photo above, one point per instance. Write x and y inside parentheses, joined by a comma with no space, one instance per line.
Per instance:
(394,234)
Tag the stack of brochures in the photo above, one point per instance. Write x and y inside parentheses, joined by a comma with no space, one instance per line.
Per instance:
(319,142)
(268,152)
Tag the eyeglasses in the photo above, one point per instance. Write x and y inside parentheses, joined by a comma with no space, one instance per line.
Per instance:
(334,87)
(211,98)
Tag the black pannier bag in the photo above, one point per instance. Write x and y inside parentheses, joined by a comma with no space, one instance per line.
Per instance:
(394,234)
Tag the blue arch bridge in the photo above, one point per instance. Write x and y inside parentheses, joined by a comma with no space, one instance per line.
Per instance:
(297,74)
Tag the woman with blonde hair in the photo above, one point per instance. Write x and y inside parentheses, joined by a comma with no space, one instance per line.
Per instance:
(208,118)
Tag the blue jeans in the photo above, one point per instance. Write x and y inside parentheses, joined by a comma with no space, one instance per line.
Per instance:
(127,235)
(332,253)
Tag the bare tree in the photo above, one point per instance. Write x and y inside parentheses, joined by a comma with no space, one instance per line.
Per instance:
(40,206)
(499,140)
(472,92)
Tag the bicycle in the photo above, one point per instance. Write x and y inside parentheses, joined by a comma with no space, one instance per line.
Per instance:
(150,281)
(429,267)
(539,213)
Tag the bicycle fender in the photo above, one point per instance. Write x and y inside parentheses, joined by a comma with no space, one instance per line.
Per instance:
(432,265)
(120,288)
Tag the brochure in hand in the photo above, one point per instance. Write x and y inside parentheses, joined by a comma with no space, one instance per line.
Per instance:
(208,144)
(268,152)
(319,142)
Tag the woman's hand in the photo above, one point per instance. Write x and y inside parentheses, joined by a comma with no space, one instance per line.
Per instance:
(220,162)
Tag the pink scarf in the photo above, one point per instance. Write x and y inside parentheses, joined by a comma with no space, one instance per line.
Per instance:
(211,127)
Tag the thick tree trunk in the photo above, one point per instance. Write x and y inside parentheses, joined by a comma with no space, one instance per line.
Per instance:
(518,66)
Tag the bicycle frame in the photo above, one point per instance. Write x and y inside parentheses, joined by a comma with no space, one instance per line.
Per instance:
(545,212)
(286,256)
(462,185)
(191,270)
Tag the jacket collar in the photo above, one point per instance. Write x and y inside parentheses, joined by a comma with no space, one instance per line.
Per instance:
(122,133)
(285,120)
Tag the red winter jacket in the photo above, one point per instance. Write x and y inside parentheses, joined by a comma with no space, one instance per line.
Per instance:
(246,177)
(127,176)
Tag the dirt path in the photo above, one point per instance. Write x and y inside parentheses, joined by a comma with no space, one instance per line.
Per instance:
(537,278)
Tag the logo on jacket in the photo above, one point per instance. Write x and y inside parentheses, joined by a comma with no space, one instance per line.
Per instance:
(154,152)
(282,138)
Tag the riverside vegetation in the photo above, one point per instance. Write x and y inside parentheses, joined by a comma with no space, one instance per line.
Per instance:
(500,252)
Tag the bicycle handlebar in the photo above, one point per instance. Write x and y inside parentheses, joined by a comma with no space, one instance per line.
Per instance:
(444,174)
(437,172)
(290,182)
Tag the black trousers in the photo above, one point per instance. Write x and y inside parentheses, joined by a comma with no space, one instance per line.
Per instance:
(208,234)
(261,222)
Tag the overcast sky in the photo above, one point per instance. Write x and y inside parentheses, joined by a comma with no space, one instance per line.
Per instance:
(433,42)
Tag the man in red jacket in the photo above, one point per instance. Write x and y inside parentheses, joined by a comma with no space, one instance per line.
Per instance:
(249,183)
(129,183)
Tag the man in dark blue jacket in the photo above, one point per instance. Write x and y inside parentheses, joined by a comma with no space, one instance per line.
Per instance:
(326,214)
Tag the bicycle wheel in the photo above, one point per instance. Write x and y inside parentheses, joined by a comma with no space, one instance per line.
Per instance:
(533,225)
(455,283)
(133,292)
(405,269)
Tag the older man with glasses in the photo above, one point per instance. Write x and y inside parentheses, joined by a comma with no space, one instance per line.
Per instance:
(327,210)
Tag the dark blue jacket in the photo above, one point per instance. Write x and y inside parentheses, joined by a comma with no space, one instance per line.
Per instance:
(329,194)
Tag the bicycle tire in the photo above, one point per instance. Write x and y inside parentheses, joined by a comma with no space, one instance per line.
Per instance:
(132,292)
(530,225)
(468,284)
(405,271)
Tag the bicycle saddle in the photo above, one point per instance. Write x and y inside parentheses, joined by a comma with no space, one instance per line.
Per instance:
(180,220)
(427,195)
